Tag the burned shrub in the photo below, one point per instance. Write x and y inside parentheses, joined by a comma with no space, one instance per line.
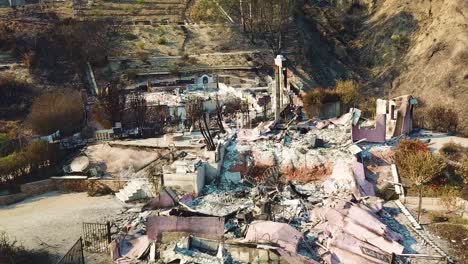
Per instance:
(441,118)
(453,151)
(98,189)
(462,169)
(13,253)
(57,111)
(15,96)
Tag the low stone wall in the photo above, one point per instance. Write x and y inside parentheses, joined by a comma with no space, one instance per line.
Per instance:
(434,203)
(28,190)
(60,184)
(81,185)
(38,187)
(12,198)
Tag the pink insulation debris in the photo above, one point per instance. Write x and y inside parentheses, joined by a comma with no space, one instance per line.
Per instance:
(294,258)
(207,227)
(365,188)
(134,247)
(348,249)
(286,236)
(356,233)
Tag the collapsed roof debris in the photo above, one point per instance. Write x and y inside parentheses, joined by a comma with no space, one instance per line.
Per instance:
(297,191)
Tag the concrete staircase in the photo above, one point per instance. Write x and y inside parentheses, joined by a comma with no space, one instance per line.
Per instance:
(134,190)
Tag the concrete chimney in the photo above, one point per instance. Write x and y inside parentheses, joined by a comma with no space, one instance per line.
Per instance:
(279,85)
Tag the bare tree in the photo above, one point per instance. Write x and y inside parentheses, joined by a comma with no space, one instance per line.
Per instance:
(219,115)
(194,109)
(158,114)
(267,20)
(139,108)
(113,101)
(195,114)
(263,102)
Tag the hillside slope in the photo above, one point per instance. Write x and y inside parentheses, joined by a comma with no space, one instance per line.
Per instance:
(435,66)
(392,47)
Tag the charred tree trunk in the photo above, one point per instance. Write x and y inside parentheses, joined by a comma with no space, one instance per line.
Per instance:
(212,145)
(202,131)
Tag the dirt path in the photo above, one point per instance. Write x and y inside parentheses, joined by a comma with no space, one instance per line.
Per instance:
(439,139)
(53,221)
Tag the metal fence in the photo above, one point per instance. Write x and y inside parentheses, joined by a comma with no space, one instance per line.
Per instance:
(74,255)
(96,236)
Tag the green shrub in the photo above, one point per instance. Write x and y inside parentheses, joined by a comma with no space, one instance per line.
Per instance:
(140,2)
(205,10)
(185,57)
(130,36)
(162,41)
(132,75)
(368,107)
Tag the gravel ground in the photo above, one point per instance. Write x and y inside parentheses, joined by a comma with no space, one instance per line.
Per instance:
(53,221)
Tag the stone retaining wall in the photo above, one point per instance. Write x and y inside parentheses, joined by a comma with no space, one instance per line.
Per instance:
(38,187)
(81,185)
(435,204)
(28,190)
(63,185)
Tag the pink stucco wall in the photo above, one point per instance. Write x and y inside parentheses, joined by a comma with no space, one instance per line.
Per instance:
(407,118)
(207,227)
(365,187)
(374,135)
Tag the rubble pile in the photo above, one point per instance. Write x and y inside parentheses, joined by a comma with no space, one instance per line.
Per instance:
(276,217)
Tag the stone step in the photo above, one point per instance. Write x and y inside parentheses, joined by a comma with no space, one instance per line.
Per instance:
(121,197)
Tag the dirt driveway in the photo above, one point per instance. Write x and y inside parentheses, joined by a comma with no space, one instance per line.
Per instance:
(54,220)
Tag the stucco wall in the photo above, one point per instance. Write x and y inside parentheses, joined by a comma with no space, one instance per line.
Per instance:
(375,135)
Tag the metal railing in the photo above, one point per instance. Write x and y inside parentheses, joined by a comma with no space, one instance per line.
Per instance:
(96,236)
(74,255)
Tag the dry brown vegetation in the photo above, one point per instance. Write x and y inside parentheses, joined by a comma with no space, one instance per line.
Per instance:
(347,92)
(11,252)
(61,110)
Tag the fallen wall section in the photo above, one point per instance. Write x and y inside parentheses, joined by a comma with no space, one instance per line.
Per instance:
(206,227)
